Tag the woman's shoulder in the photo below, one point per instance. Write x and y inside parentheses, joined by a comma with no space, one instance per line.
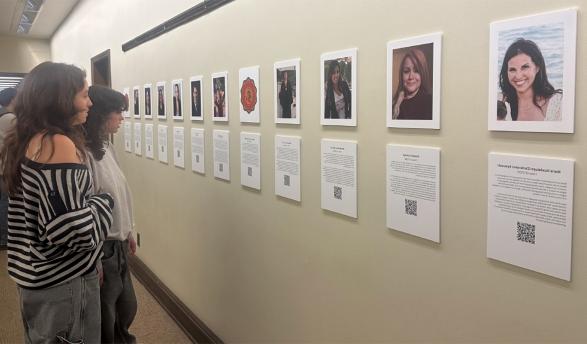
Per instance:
(54,149)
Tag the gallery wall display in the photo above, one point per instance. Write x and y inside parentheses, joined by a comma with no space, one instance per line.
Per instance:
(136,100)
(196,98)
(339,176)
(177,99)
(126,92)
(128,137)
(220,96)
(287,96)
(198,150)
(178,147)
(221,153)
(287,167)
(530,212)
(251,160)
(413,190)
(413,82)
(162,143)
(149,141)
(161,109)
(338,80)
(532,73)
(148,98)
(138,133)
(249,104)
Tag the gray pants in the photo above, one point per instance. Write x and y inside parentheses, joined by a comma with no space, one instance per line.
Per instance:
(117,295)
(67,313)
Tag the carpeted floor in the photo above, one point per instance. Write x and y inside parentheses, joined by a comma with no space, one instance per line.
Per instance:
(152,324)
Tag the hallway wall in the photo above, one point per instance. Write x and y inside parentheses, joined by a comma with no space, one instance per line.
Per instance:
(21,55)
(258,268)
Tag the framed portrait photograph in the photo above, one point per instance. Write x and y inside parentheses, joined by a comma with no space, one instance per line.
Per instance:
(161,114)
(220,96)
(338,76)
(248,79)
(196,98)
(287,99)
(136,101)
(147,89)
(177,98)
(413,82)
(532,73)
(126,93)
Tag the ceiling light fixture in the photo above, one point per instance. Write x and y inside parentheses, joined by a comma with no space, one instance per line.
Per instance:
(29,14)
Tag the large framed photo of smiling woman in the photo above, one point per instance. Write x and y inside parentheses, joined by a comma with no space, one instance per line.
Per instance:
(532,73)
(413,82)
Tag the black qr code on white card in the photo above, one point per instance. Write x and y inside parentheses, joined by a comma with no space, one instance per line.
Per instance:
(411,207)
(249,171)
(337,192)
(220,167)
(526,232)
(197,158)
(286,181)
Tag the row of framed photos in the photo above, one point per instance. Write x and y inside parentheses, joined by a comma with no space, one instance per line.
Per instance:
(531,66)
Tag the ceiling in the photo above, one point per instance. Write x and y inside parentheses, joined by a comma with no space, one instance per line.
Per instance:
(52,13)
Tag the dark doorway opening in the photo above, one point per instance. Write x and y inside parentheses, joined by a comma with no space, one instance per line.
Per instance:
(101,69)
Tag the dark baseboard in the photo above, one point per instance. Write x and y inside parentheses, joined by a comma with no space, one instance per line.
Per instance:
(193,327)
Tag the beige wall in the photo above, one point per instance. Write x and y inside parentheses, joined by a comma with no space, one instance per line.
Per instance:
(21,55)
(258,268)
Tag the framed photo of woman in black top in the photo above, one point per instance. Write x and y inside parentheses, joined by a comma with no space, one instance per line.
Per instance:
(196,98)
(413,82)
(161,114)
(338,75)
(177,99)
(126,93)
(136,102)
(287,98)
(147,88)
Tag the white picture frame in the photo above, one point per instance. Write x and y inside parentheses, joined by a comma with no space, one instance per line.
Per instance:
(292,69)
(148,100)
(219,100)
(161,101)
(177,100)
(348,58)
(249,95)
(196,99)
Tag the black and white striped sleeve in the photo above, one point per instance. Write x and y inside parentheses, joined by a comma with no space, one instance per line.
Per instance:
(68,215)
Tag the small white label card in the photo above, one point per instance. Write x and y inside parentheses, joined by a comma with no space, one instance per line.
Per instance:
(128,137)
(251,160)
(178,147)
(149,140)
(287,166)
(339,176)
(198,150)
(221,147)
(138,138)
(530,212)
(413,190)
(162,142)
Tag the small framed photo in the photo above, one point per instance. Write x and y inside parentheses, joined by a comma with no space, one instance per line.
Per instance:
(196,98)
(532,73)
(147,88)
(287,99)
(177,93)
(338,76)
(136,102)
(249,94)
(126,93)
(220,96)
(413,82)
(161,114)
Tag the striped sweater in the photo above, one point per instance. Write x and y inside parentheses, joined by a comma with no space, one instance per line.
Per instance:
(55,226)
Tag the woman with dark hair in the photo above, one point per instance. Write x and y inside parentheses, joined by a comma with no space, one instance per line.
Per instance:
(160,101)
(337,102)
(55,225)
(176,101)
(413,99)
(117,296)
(524,85)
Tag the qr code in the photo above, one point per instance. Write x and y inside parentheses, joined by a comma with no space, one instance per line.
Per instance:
(178,154)
(197,158)
(411,207)
(286,180)
(337,192)
(527,232)
(249,171)
(220,167)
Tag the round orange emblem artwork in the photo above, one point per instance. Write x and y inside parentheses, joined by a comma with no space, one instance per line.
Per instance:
(249,95)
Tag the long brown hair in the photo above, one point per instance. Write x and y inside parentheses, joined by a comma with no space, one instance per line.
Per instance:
(44,104)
